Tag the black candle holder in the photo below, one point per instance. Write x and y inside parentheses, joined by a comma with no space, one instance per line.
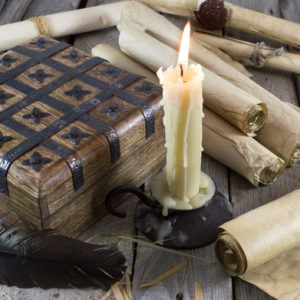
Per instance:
(180,229)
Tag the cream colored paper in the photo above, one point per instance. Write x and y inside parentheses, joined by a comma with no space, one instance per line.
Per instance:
(63,24)
(241,153)
(262,24)
(280,134)
(289,61)
(121,60)
(238,107)
(183,8)
(227,58)
(266,241)
(239,18)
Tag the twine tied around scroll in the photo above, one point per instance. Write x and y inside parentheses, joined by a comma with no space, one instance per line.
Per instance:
(257,59)
(42,26)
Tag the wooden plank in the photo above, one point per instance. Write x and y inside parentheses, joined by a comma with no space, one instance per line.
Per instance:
(2,3)
(94,235)
(243,196)
(216,284)
(44,7)
(290,10)
(13,10)
(150,263)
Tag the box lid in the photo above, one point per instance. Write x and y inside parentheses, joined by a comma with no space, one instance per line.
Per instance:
(61,110)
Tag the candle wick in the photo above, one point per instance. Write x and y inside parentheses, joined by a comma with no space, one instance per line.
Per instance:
(181,70)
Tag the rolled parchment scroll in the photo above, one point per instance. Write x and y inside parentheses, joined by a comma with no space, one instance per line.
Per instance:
(263,247)
(238,18)
(121,60)
(288,61)
(241,153)
(281,132)
(238,107)
(61,24)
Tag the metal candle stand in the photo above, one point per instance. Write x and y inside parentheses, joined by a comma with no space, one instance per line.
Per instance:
(180,229)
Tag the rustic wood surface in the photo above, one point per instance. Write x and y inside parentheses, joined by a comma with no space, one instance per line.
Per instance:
(13,10)
(2,3)
(147,263)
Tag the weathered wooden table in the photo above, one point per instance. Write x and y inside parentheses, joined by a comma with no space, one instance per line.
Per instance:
(147,263)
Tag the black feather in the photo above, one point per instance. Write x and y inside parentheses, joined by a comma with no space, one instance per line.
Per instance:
(46,260)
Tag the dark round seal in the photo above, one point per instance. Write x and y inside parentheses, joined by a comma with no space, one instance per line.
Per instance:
(212,14)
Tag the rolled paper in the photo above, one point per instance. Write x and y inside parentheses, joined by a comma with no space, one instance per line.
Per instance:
(227,58)
(238,18)
(295,107)
(61,24)
(262,24)
(184,8)
(238,107)
(121,60)
(288,61)
(241,153)
(280,134)
(263,247)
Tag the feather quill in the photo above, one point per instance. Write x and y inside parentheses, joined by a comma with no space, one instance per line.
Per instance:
(43,259)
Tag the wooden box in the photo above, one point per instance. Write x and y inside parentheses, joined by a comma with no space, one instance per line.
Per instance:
(72,127)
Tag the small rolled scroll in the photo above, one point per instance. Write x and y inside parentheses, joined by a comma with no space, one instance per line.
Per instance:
(238,18)
(262,24)
(121,60)
(61,24)
(241,153)
(263,247)
(288,61)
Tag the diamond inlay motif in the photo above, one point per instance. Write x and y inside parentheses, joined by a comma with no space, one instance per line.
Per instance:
(111,71)
(7,60)
(36,115)
(113,110)
(4,96)
(74,56)
(74,135)
(77,92)
(41,43)
(4,139)
(40,75)
(147,88)
(36,161)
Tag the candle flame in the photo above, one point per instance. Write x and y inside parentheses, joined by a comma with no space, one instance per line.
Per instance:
(183,56)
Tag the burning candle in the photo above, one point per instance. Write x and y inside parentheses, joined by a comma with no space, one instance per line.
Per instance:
(183,102)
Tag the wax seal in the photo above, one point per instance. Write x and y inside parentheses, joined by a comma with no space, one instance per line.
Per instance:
(212,14)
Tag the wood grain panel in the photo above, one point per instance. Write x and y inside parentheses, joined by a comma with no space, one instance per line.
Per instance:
(13,10)
(290,10)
